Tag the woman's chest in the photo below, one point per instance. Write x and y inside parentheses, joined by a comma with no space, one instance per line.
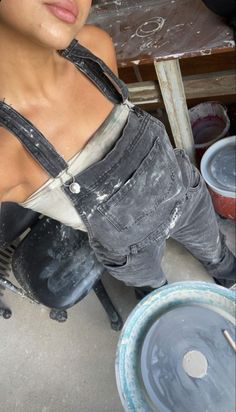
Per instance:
(67,123)
(73,118)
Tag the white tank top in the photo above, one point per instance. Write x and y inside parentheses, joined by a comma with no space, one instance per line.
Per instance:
(50,199)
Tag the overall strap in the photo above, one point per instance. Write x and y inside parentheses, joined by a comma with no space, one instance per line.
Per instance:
(97,71)
(32,139)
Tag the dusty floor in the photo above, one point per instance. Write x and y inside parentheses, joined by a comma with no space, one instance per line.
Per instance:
(50,367)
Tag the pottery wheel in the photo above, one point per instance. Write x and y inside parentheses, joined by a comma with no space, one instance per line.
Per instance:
(187,363)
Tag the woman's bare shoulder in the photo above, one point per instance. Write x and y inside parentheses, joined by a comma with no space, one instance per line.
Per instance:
(99,43)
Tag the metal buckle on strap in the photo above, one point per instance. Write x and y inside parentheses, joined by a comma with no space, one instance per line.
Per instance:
(129,104)
(74,186)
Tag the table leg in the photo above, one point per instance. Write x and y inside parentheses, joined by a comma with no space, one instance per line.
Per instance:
(172,89)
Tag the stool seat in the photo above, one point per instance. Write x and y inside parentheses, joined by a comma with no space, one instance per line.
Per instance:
(55,264)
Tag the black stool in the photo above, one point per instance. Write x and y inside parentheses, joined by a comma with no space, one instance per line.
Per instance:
(53,263)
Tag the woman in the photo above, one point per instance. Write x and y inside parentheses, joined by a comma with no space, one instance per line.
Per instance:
(88,157)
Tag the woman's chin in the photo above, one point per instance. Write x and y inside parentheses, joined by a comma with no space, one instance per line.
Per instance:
(60,43)
(56,41)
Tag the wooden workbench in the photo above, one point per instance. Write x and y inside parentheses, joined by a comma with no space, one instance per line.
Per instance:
(161,33)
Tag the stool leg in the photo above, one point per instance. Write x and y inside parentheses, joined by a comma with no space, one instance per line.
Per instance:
(59,315)
(113,315)
(18,291)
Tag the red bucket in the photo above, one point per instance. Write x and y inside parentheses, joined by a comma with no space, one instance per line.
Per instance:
(224,206)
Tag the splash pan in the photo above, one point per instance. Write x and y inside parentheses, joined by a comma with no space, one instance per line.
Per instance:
(173,354)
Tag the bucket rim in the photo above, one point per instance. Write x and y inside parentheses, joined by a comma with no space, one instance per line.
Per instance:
(204,166)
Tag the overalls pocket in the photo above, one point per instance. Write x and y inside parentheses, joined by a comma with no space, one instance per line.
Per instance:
(138,201)
(111,260)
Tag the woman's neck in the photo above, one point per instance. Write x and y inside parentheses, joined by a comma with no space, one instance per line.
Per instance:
(28,70)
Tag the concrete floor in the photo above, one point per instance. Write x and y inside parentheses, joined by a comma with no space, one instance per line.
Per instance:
(50,367)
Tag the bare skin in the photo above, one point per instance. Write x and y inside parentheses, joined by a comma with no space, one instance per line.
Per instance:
(63,104)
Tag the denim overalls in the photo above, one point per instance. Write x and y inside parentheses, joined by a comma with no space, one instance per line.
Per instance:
(138,195)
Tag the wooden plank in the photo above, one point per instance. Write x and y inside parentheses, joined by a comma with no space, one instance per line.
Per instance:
(196,87)
(207,64)
(211,84)
(172,89)
(145,92)
(189,67)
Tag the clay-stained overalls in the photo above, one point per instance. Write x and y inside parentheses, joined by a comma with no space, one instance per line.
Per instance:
(138,195)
